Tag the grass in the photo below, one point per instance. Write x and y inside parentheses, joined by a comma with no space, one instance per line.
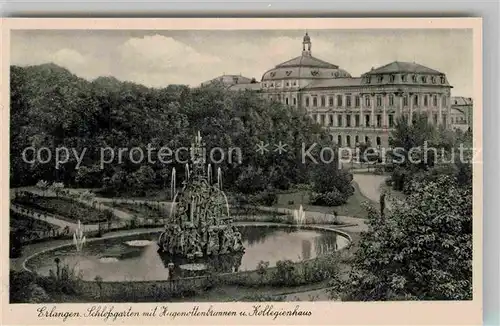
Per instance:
(146,211)
(22,222)
(65,208)
(353,206)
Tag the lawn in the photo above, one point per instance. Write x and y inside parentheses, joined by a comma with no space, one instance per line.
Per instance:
(21,222)
(64,208)
(147,211)
(353,207)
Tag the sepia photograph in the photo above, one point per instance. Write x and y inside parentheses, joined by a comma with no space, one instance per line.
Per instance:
(233,165)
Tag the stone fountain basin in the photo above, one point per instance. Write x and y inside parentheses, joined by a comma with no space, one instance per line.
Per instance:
(115,260)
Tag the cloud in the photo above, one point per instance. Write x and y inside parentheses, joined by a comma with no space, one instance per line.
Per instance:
(159,60)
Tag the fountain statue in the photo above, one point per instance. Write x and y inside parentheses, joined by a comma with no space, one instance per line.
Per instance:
(199,224)
(78,237)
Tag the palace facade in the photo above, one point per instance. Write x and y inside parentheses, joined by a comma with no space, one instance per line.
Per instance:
(355,109)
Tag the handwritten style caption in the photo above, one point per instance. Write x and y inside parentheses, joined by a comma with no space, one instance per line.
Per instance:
(110,313)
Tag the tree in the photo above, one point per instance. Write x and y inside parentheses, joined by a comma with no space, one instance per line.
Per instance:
(57,188)
(422,250)
(43,186)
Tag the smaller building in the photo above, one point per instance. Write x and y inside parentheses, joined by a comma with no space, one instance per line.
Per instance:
(227,81)
(461,113)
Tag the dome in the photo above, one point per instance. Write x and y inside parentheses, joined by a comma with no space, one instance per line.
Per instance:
(305,67)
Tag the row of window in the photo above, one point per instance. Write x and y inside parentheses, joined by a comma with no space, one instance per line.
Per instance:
(405,78)
(278,84)
(330,119)
(357,141)
(458,120)
(423,100)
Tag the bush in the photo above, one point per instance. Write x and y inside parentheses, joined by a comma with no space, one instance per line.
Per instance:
(331,198)
(267,198)
(286,273)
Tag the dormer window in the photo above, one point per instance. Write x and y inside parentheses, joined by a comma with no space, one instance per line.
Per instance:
(393,78)
(380,78)
(404,78)
(443,80)
(368,79)
(414,78)
(273,74)
(424,79)
(433,79)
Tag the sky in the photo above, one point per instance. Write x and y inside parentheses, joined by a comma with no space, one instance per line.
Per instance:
(162,57)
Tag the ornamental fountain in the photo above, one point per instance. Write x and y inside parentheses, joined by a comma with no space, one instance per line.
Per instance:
(199,224)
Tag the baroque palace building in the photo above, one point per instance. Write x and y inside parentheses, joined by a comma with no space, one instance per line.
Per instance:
(354,109)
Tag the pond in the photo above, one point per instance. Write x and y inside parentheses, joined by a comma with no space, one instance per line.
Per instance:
(136,257)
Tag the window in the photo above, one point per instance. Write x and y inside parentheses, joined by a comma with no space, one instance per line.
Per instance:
(379,100)
(287,84)
(435,100)
(357,101)
(378,141)
(444,119)
(315,117)
(348,101)
(356,140)
(367,101)
(331,119)
(339,140)
(405,100)
(322,119)
(379,120)
(393,78)
(307,100)
(415,100)
(348,120)
(391,120)
(348,140)
(367,120)
(435,118)
(294,83)
(331,137)
(391,100)
(294,101)
(323,101)
(380,78)
(414,78)
(404,78)
(330,101)
(356,120)
(368,79)
(433,79)
(367,140)
(265,85)
(424,79)
(444,101)
(339,100)
(443,80)
(426,100)
(286,101)
(315,101)
(339,120)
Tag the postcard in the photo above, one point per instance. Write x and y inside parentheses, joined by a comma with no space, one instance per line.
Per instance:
(242,171)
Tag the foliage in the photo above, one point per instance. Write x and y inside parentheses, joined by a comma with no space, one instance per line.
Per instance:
(422,250)
(109,114)
(423,151)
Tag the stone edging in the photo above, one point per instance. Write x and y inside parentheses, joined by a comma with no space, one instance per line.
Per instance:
(307,227)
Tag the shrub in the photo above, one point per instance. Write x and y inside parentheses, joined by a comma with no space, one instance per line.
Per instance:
(286,273)
(331,198)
